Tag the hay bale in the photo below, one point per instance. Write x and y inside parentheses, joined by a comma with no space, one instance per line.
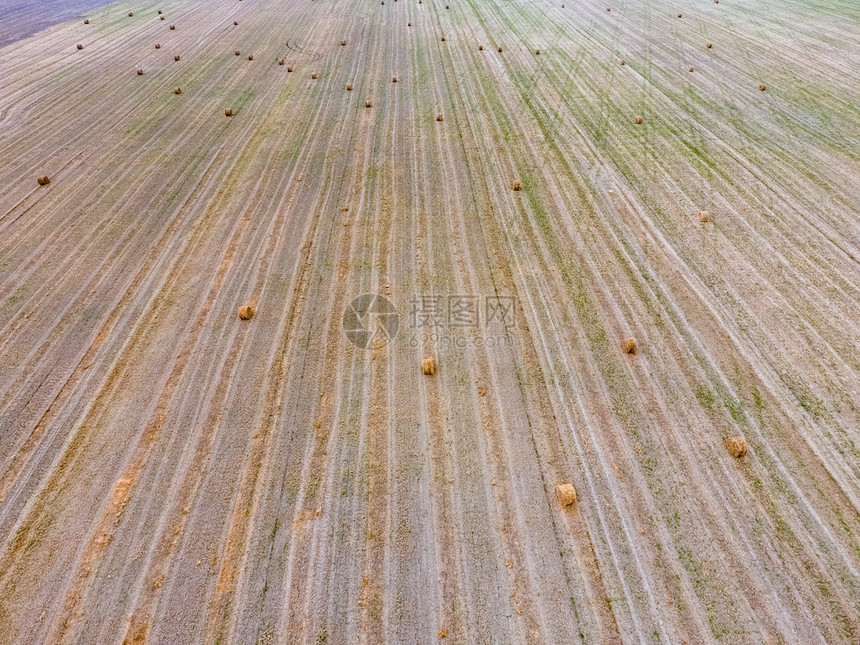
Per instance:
(237,52)
(480,48)
(500,49)
(368,104)
(228,112)
(608,9)
(762,87)
(428,365)
(517,186)
(537,52)
(638,120)
(446,6)
(289,69)
(562,6)
(159,12)
(173,26)
(623,62)
(737,446)
(80,46)
(691,69)
(704,216)
(178,90)
(566,494)
(443,39)
(408,24)
(44,181)
(709,45)
(680,15)
(250,56)
(442,633)
(130,14)
(157,46)
(235,22)
(281,61)
(246,312)
(439,117)
(140,72)
(176,58)
(161,17)
(86,22)
(628,345)
(343,43)
(348,87)
(314,76)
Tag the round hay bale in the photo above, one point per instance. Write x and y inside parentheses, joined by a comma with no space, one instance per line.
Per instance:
(709,45)
(228,112)
(680,15)
(289,69)
(314,76)
(691,69)
(537,52)
(608,9)
(704,216)
(349,88)
(623,62)
(246,312)
(343,43)
(176,58)
(86,22)
(159,12)
(428,366)
(130,14)
(439,117)
(443,39)
(500,49)
(161,17)
(157,46)
(250,56)
(638,120)
(408,24)
(517,186)
(178,90)
(762,87)
(446,6)
(80,46)
(237,52)
(140,72)
(480,48)
(628,345)
(566,494)
(44,181)
(173,26)
(562,6)
(235,22)
(368,104)
(393,79)
(736,446)
(281,61)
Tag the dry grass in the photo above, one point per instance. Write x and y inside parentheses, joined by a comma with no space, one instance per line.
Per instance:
(228,112)
(628,345)
(737,446)
(566,494)
(246,312)
(704,216)
(44,181)
(428,365)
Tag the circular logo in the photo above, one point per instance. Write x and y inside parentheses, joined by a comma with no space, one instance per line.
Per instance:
(370,321)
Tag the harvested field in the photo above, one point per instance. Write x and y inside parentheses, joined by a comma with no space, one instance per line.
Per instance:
(175,468)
